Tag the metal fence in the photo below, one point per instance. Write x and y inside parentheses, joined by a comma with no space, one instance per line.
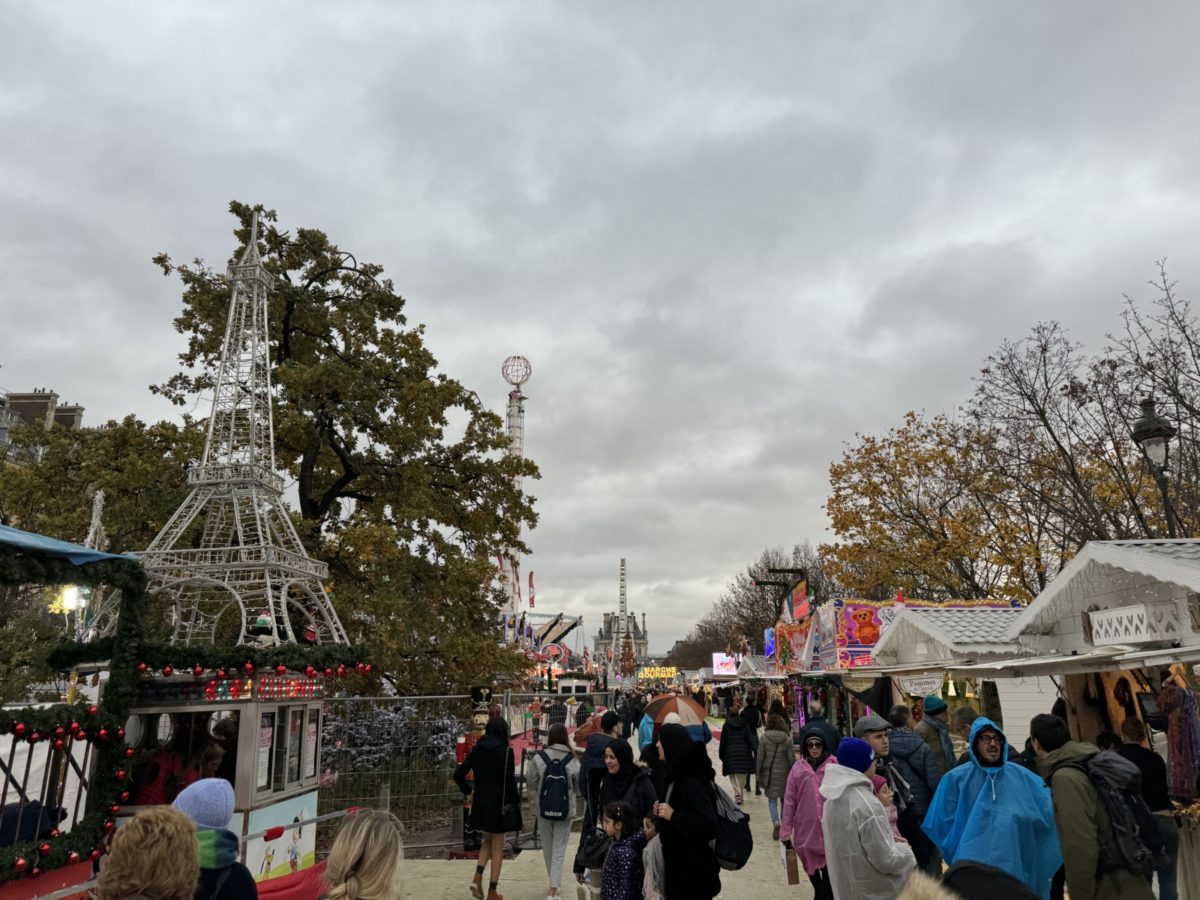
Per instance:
(398,753)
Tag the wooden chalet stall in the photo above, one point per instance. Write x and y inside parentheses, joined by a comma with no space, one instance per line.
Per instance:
(923,644)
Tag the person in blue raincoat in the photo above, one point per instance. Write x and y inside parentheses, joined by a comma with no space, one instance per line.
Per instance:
(648,730)
(996,812)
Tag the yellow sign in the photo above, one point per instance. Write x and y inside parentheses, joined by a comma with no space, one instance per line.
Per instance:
(651,672)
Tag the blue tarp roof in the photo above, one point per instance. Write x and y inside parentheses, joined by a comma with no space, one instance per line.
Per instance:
(14,540)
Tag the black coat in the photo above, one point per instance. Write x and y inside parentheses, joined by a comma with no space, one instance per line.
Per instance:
(491,761)
(233,882)
(739,746)
(690,867)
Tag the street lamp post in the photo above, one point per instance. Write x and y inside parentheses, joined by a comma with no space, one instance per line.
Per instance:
(1152,433)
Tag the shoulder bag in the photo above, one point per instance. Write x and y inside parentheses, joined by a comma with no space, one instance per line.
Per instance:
(510,810)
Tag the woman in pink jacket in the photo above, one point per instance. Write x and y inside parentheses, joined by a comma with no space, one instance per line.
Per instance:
(800,827)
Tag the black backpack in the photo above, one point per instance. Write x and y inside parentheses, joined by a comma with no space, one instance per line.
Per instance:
(1134,842)
(734,842)
(554,803)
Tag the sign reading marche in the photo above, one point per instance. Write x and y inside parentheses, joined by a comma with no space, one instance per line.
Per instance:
(652,672)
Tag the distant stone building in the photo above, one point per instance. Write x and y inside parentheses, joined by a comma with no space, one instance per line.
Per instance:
(603,639)
(40,407)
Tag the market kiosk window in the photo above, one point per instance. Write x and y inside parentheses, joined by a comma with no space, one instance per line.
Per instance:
(173,748)
(288,751)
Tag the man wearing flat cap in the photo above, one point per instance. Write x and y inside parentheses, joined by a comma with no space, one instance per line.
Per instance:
(876,731)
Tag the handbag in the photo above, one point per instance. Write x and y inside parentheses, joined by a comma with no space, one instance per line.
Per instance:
(510,812)
(594,844)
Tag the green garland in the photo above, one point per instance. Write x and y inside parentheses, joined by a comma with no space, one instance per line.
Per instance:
(110,755)
(155,657)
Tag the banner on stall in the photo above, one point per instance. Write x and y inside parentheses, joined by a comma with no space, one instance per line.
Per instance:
(921,685)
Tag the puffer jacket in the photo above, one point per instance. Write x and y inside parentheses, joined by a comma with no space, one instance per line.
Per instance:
(738,744)
(863,858)
(1083,825)
(537,770)
(917,766)
(776,753)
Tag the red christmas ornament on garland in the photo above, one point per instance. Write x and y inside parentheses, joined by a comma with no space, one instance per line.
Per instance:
(20,864)
(129,753)
(124,798)
(72,857)
(197,670)
(120,774)
(44,849)
(108,826)
(220,673)
(281,669)
(102,734)
(93,710)
(142,668)
(19,729)
(81,735)
(34,737)
(120,732)
(248,668)
(74,728)
(59,731)
(95,854)
(35,872)
(168,671)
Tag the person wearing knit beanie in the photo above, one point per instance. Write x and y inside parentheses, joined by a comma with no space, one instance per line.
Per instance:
(209,803)
(934,730)
(863,857)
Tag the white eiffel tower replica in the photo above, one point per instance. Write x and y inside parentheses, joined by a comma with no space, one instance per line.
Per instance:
(247,574)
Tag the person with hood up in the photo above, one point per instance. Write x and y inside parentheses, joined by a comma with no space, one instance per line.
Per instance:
(865,862)
(209,803)
(593,754)
(1084,825)
(620,780)
(800,825)
(996,812)
(687,818)
(737,751)
(776,754)
(934,730)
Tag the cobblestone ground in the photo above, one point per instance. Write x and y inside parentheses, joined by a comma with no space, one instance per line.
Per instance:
(524,878)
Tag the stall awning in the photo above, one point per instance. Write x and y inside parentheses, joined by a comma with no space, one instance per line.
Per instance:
(1102,659)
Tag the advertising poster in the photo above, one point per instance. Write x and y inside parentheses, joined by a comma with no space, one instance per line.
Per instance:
(297,849)
(724,664)
(791,642)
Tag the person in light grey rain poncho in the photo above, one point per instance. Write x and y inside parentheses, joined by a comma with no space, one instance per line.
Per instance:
(864,860)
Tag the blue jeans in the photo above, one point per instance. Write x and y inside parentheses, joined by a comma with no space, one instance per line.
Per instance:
(1166,874)
(773,807)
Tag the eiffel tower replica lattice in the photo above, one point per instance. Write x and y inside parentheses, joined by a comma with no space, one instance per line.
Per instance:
(248,574)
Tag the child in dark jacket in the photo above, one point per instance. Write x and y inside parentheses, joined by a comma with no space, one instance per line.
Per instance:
(623,869)
(209,803)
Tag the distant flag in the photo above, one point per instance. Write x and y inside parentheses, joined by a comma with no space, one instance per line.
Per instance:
(531,590)
(516,581)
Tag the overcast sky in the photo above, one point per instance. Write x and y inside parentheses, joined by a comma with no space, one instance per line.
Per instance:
(727,236)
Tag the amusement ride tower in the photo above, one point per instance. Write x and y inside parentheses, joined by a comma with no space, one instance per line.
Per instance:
(245,577)
(516,371)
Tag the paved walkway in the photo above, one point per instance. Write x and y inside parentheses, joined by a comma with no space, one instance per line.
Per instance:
(524,878)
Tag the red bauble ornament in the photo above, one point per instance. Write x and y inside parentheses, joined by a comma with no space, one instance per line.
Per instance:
(281,669)
(74,727)
(328,672)
(248,668)
(59,743)
(59,731)
(129,753)
(19,729)
(72,857)
(44,849)
(81,735)
(168,671)
(361,668)
(310,671)
(95,854)
(220,673)
(93,710)
(35,872)
(124,798)
(368,668)
(34,737)
(120,774)
(114,809)
(120,732)
(102,734)
(197,670)
(108,826)
(20,864)
(54,832)
(142,668)
(341,670)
